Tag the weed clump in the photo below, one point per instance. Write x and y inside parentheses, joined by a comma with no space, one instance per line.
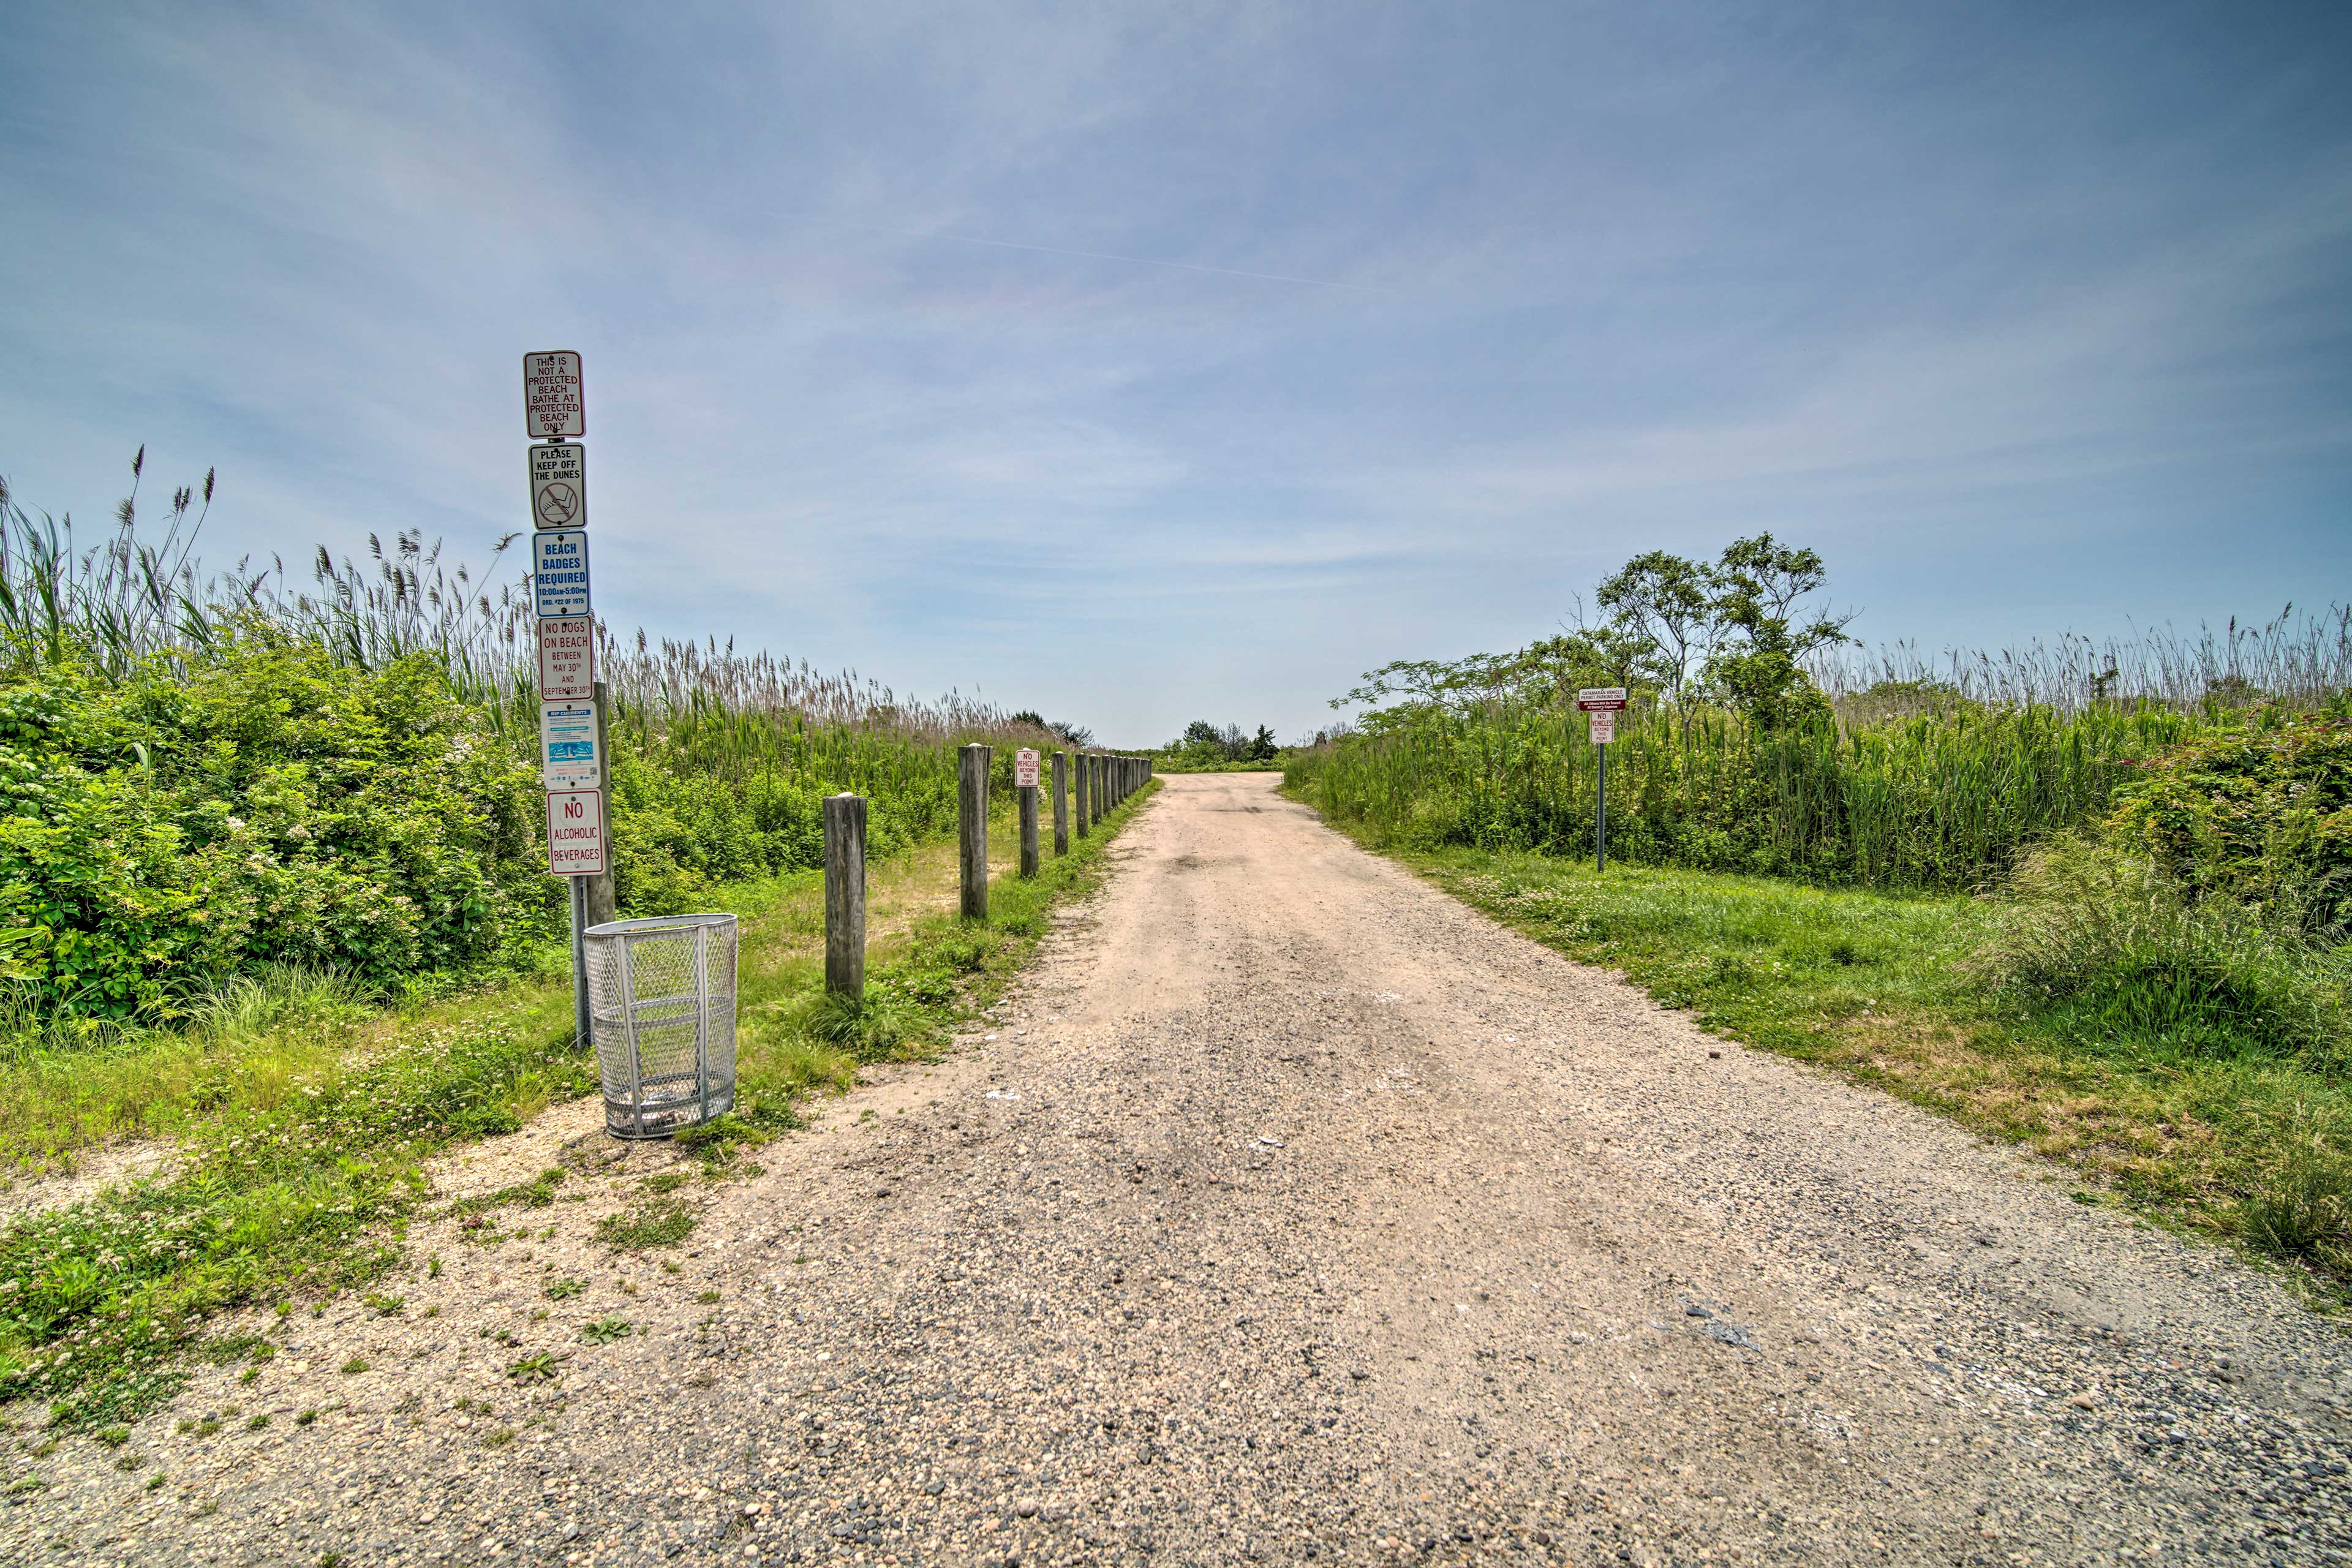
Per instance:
(656,1222)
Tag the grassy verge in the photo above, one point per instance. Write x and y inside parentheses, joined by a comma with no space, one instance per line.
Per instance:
(297,1118)
(1893,990)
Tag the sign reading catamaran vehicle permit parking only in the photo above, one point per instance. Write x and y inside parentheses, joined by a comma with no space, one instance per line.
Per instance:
(551,401)
(559,572)
(1025,769)
(1601,699)
(558,484)
(575,832)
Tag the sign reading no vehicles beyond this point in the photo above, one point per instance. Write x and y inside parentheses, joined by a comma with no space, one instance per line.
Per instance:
(559,572)
(551,401)
(558,484)
(1604,725)
(1025,769)
(575,833)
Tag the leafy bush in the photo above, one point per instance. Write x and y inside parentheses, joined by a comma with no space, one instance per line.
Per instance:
(2109,945)
(2261,815)
(265,804)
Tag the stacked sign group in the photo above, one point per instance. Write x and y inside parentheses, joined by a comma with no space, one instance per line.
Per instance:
(570,742)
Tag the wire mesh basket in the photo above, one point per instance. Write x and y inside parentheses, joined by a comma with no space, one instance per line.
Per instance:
(661,997)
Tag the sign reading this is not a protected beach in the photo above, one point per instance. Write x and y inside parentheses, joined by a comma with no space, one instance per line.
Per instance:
(552,400)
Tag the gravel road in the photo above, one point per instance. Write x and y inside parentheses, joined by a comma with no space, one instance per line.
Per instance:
(1291,1212)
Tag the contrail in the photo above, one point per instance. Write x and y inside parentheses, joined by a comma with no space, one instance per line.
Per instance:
(1139,261)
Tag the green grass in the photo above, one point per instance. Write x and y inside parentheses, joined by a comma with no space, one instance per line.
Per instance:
(297,1133)
(1895,991)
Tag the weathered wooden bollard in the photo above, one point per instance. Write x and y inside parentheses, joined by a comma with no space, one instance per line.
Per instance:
(1086,795)
(971,822)
(1061,804)
(1025,788)
(845,896)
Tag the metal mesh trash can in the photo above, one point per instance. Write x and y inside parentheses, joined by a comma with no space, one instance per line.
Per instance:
(661,995)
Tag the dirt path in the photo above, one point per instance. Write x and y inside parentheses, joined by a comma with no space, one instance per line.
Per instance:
(1292,1212)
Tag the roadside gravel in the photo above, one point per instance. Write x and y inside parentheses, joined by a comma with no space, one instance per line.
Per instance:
(1290,1212)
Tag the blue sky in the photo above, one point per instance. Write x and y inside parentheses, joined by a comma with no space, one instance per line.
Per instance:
(1145,363)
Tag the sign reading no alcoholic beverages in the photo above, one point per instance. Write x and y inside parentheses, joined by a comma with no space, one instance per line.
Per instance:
(575,832)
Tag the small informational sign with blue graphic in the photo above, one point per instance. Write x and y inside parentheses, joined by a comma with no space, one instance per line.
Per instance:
(559,572)
(568,756)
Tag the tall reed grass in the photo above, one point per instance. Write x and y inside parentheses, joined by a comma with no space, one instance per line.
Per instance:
(1927,775)
(136,601)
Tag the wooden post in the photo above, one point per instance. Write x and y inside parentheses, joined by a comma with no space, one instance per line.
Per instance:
(845,896)
(1028,794)
(604,896)
(1086,794)
(1061,804)
(971,815)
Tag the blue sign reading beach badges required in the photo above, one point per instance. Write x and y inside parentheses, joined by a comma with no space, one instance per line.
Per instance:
(559,572)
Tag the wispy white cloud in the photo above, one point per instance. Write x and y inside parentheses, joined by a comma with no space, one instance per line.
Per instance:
(948,341)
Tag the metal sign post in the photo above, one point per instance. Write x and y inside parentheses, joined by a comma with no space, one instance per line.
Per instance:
(571,732)
(1602,703)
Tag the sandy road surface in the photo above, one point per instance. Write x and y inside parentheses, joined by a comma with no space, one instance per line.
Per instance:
(1296,1212)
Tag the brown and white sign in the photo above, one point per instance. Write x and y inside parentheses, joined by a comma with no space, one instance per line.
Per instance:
(575,833)
(559,484)
(1604,725)
(1601,699)
(1025,769)
(567,659)
(552,400)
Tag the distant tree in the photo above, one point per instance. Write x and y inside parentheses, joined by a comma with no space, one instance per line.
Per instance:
(1263,748)
(1030,716)
(1072,734)
(1669,604)
(1759,660)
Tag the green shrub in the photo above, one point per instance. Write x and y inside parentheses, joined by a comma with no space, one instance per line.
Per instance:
(2261,815)
(2108,945)
(264,804)
(2301,1204)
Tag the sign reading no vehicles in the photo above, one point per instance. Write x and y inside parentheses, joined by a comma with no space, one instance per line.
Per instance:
(1025,769)
(551,402)
(559,572)
(558,484)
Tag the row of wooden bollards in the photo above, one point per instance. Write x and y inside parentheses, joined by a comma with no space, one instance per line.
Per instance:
(1103,783)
